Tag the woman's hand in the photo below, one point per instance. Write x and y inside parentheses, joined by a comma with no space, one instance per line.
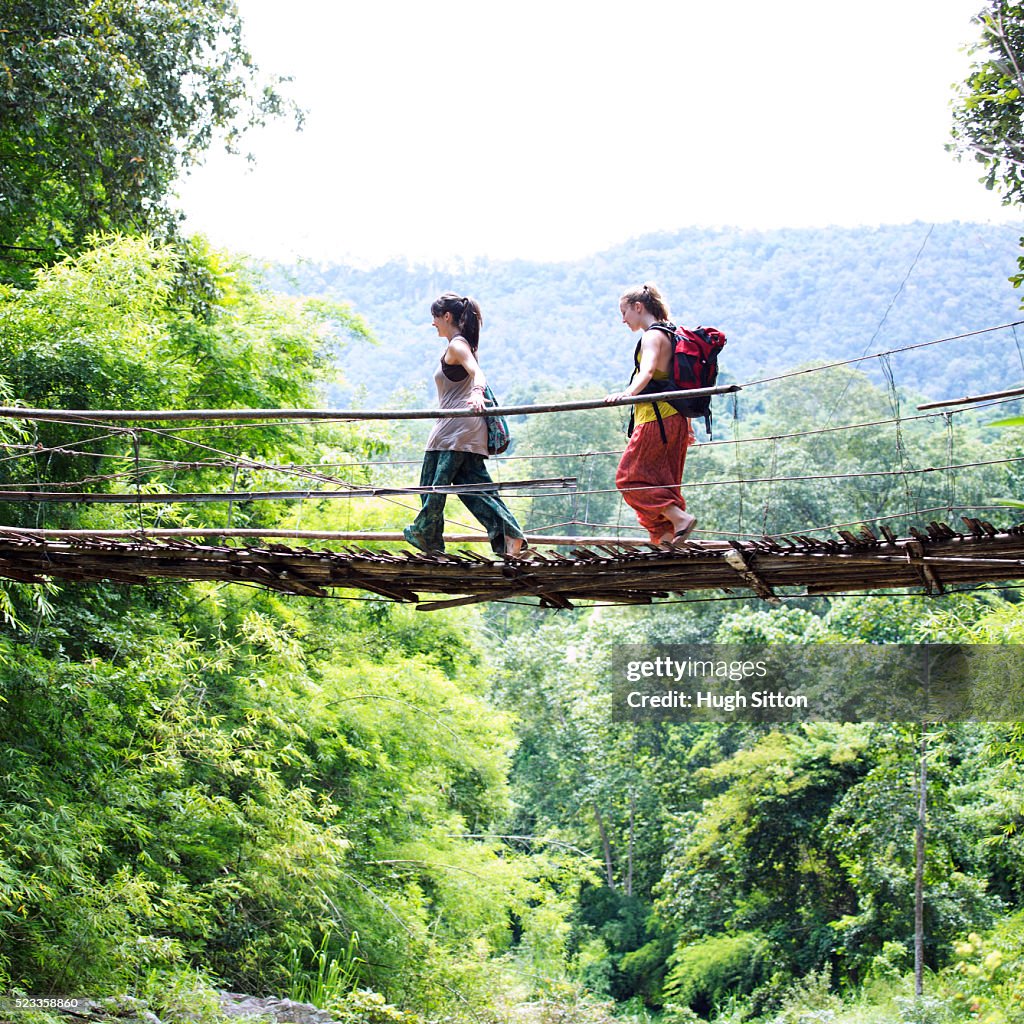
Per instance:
(476,399)
(618,395)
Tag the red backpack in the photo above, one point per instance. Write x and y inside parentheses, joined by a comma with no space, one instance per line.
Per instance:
(694,364)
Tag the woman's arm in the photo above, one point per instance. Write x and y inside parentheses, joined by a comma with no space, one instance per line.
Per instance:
(652,351)
(459,353)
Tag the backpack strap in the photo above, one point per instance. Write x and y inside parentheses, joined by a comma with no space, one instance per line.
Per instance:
(669,328)
(654,404)
(664,325)
(661,425)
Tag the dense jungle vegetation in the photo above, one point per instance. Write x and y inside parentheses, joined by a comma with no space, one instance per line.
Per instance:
(404,817)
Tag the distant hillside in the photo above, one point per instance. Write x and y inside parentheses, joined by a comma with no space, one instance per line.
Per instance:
(784,298)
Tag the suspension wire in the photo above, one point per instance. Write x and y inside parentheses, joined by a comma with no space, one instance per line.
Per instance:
(369,491)
(229,460)
(306,471)
(387,495)
(774,466)
(267,467)
(138,479)
(34,432)
(876,473)
(832,527)
(903,284)
(28,450)
(736,454)
(1020,354)
(885,316)
(247,463)
(894,403)
(93,416)
(876,355)
(264,466)
(951,475)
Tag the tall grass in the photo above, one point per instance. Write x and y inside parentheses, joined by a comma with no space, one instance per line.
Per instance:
(330,976)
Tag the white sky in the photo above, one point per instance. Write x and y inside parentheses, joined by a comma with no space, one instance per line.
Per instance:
(550,129)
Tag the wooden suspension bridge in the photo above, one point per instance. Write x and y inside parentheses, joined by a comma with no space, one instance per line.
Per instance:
(556,571)
(567,571)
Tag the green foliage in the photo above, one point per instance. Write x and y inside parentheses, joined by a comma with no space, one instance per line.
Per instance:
(178,996)
(990,104)
(876,619)
(987,979)
(622,950)
(103,104)
(706,973)
(112,328)
(594,967)
(809,1001)
(807,840)
(227,795)
(991,101)
(332,974)
(870,829)
(370,1008)
(200,775)
(753,860)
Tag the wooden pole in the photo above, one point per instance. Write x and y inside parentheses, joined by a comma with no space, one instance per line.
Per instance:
(183,533)
(566,483)
(1013,392)
(173,415)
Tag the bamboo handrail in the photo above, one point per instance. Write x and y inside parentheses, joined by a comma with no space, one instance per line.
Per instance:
(969,400)
(180,533)
(563,483)
(169,415)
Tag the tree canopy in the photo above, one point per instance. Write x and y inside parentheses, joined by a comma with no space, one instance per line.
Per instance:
(102,105)
(989,115)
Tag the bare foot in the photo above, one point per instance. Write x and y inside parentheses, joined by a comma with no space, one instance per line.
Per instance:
(514,546)
(684,527)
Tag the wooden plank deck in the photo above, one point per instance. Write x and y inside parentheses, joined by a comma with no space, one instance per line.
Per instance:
(928,559)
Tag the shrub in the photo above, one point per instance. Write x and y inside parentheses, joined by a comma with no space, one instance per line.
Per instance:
(705,973)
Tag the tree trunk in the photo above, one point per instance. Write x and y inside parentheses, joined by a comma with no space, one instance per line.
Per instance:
(632,834)
(919,850)
(606,846)
(922,805)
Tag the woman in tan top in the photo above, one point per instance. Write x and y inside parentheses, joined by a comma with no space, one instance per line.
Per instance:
(457,447)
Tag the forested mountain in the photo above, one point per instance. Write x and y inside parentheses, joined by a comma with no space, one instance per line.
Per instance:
(784,298)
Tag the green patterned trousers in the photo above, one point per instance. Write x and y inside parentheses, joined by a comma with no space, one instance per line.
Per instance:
(441,468)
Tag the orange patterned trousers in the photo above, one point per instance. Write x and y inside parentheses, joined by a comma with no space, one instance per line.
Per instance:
(651,470)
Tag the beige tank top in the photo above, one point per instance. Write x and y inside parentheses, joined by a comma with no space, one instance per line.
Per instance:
(461,434)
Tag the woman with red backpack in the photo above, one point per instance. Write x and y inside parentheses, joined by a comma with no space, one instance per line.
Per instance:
(651,468)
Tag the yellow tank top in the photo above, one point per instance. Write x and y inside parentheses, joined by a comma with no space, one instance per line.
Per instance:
(643,412)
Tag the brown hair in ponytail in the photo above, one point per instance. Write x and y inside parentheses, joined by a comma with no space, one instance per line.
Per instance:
(465,312)
(649,295)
